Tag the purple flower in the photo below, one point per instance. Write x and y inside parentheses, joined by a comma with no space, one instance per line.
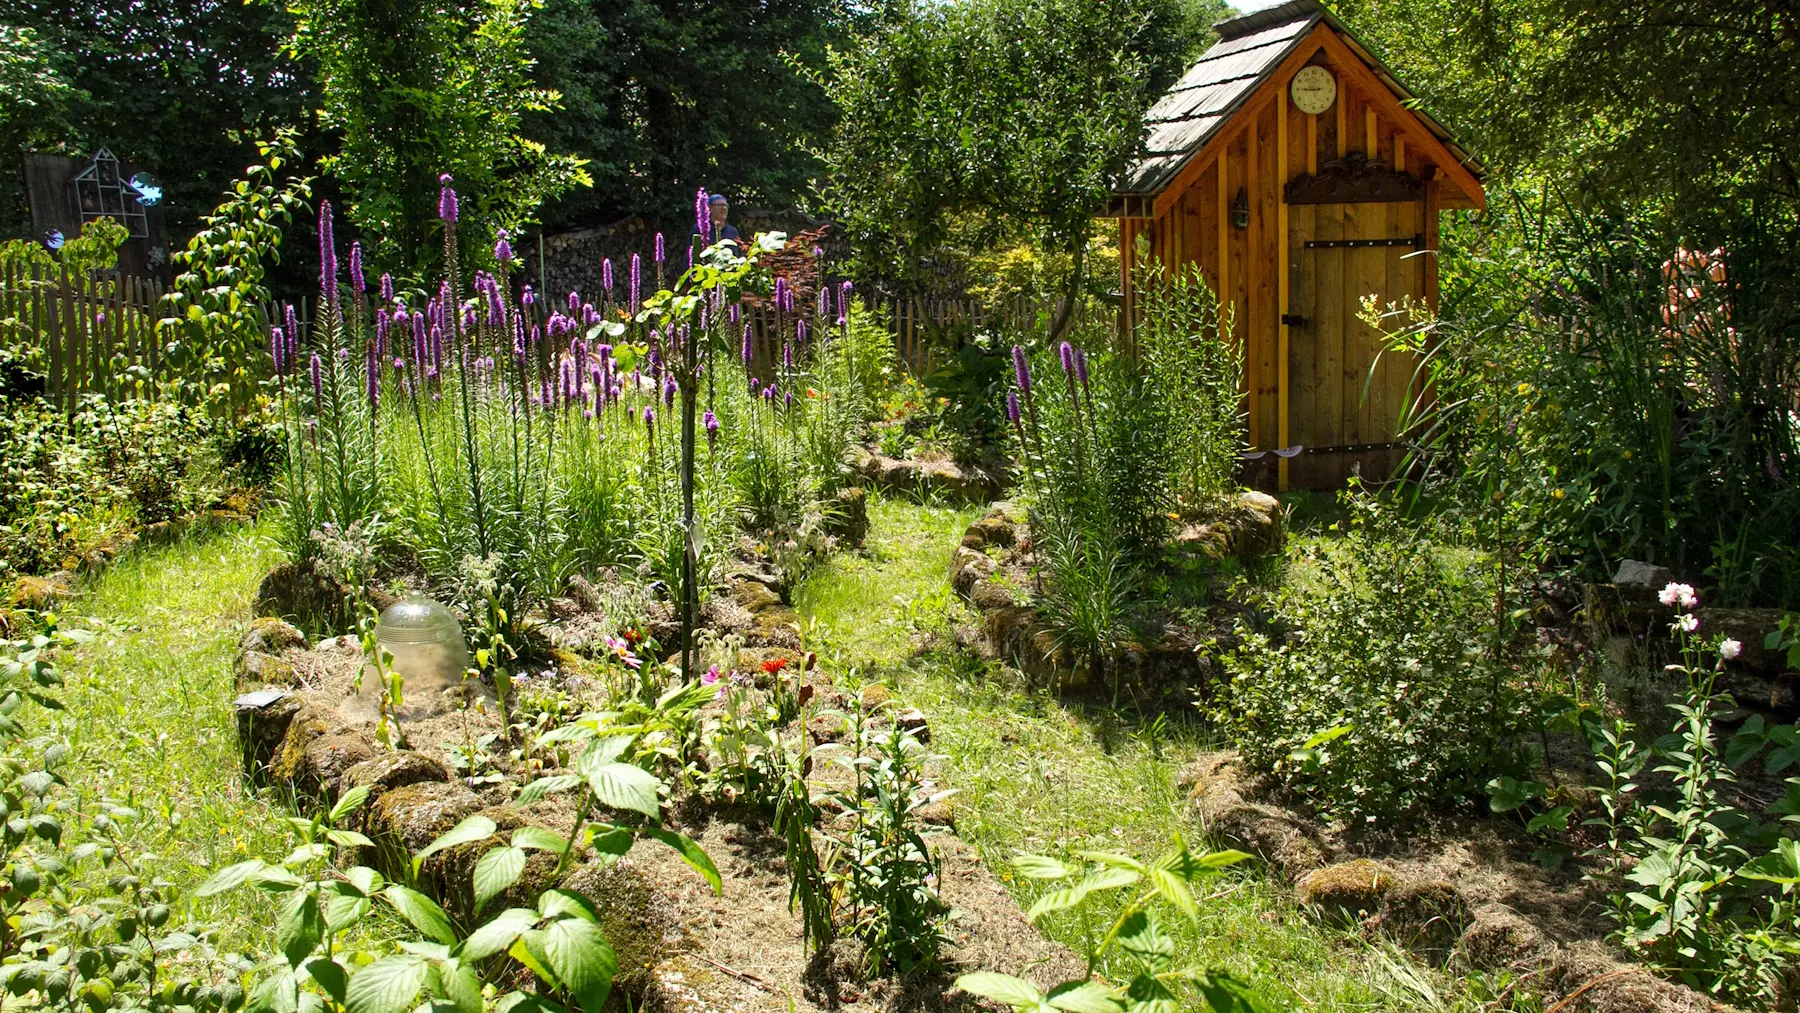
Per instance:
(747,342)
(843,304)
(702,217)
(669,391)
(276,347)
(787,355)
(387,287)
(1081,371)
(328,266)
(399,364)
(1067,351)
(528,297)
(788,399)
(711,422)
(650,419)
(318,377)
(734,312)
(293,324)
(606,278)
(636,274)
(1021,372)
(800,333)
(381,333)
(781,292)
(1012,405)
(446,200)
(357,284)
(419,346)
(659,248)
(503,251)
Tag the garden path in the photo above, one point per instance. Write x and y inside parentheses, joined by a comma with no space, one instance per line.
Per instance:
(1038,773)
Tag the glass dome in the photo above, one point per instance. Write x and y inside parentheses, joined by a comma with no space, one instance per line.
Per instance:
(426,642)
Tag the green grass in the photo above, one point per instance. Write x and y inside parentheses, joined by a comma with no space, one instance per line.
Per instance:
(1042,774)
(150,722)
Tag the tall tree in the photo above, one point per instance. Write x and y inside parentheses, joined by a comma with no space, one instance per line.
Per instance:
(1025,109)
(663,96)
(182,87)
(416,90)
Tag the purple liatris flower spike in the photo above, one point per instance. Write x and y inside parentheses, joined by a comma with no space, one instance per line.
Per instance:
(381,333)
(419,346)
(781,290)
(824,300)
(787,355)
(574,303)
(528,297)
(357,284)
(800,333)
(711,422)
(387,287)
(734,312)
(659,248)
(669,391)
(747,348)
(399,365)
(276,347)
(702,217)
(328,267)
(650,418)
(1067,351)
(788,399)
(446,200)
(372,369)
(637,273)
(1021,371)
(606,278)
(503,253)
(1081,372)
(316,368)
(1012,405)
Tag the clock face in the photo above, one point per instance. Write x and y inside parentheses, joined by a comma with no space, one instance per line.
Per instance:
(1314,90)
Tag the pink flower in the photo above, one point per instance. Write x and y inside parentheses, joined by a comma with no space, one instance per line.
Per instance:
(1729,649)
(711,676)
(1679,594)
(1688,622)
(622,650)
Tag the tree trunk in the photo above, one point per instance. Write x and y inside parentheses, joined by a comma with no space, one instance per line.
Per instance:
(1065,314)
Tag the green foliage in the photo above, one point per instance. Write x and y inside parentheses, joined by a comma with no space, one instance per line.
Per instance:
(1377,692)
(645,86)
(1158,982)
(1178,335)
(1690,872)
(1602,393)
(215,331)
(888,877)
(69,483)
(1022,108)
(418,91)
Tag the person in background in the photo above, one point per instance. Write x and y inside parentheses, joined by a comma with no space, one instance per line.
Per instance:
(722,227)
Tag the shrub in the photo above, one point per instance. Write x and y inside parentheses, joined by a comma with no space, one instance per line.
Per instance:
(1377,693)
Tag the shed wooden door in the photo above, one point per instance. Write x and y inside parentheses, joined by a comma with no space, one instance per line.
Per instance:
(1335,403)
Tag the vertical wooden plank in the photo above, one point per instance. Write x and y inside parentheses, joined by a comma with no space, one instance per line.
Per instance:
(1127,251)
(1328,310)
(1371,139)
(72,335)
(1341,133)
(1224,228)
(1283,281)
(1399,151)
(1433,204)
(1312,144)
(1252,280)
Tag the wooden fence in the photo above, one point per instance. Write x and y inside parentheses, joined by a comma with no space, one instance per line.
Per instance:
(84,335)
(100,336)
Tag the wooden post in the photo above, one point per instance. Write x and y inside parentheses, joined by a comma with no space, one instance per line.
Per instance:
(1251,256)
(1433,204)
(1225,302)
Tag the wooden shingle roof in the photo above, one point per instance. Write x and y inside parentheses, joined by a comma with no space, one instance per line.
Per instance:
(1227,75)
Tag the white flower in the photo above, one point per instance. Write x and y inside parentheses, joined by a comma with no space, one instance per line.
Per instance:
(1679,594)
(1687,622)
(1730,649)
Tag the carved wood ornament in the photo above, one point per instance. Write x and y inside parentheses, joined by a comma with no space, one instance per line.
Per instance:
(1354,179)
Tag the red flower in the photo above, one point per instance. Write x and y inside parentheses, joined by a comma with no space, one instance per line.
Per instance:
(774,665)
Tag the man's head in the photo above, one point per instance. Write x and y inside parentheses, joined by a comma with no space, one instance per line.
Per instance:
(721,208)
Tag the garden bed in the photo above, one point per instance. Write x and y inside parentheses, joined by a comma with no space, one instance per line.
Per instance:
(680,947)
(993,568)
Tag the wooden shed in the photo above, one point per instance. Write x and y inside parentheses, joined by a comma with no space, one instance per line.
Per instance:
(1301,177)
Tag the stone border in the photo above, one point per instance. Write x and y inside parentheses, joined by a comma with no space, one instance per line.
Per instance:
(908,477)
(1252,525)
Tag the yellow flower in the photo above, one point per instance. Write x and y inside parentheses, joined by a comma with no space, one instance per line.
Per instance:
(1557,493)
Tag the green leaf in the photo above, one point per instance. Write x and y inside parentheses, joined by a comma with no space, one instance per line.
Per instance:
(1779,866)
(497,934)
(544,786)
(462,986)
(1069,896)
(389,985)
(623,786)
(1141,935)
(331,977)
(1174,889)
(1555,819)
(474,828)
(560,903)
(691,853)
(1221,859)
(421,912)
(1227,993)
(1003,988)
(230,877)
(1040,867)
(1328,735)
(278,993)
(351,801)
(578,952)
(300,927)
(1112,860)
(497,870)
(609,839)
(539,839)
(1084,997)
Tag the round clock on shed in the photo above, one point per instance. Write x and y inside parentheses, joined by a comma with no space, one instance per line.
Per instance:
(1314,89)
